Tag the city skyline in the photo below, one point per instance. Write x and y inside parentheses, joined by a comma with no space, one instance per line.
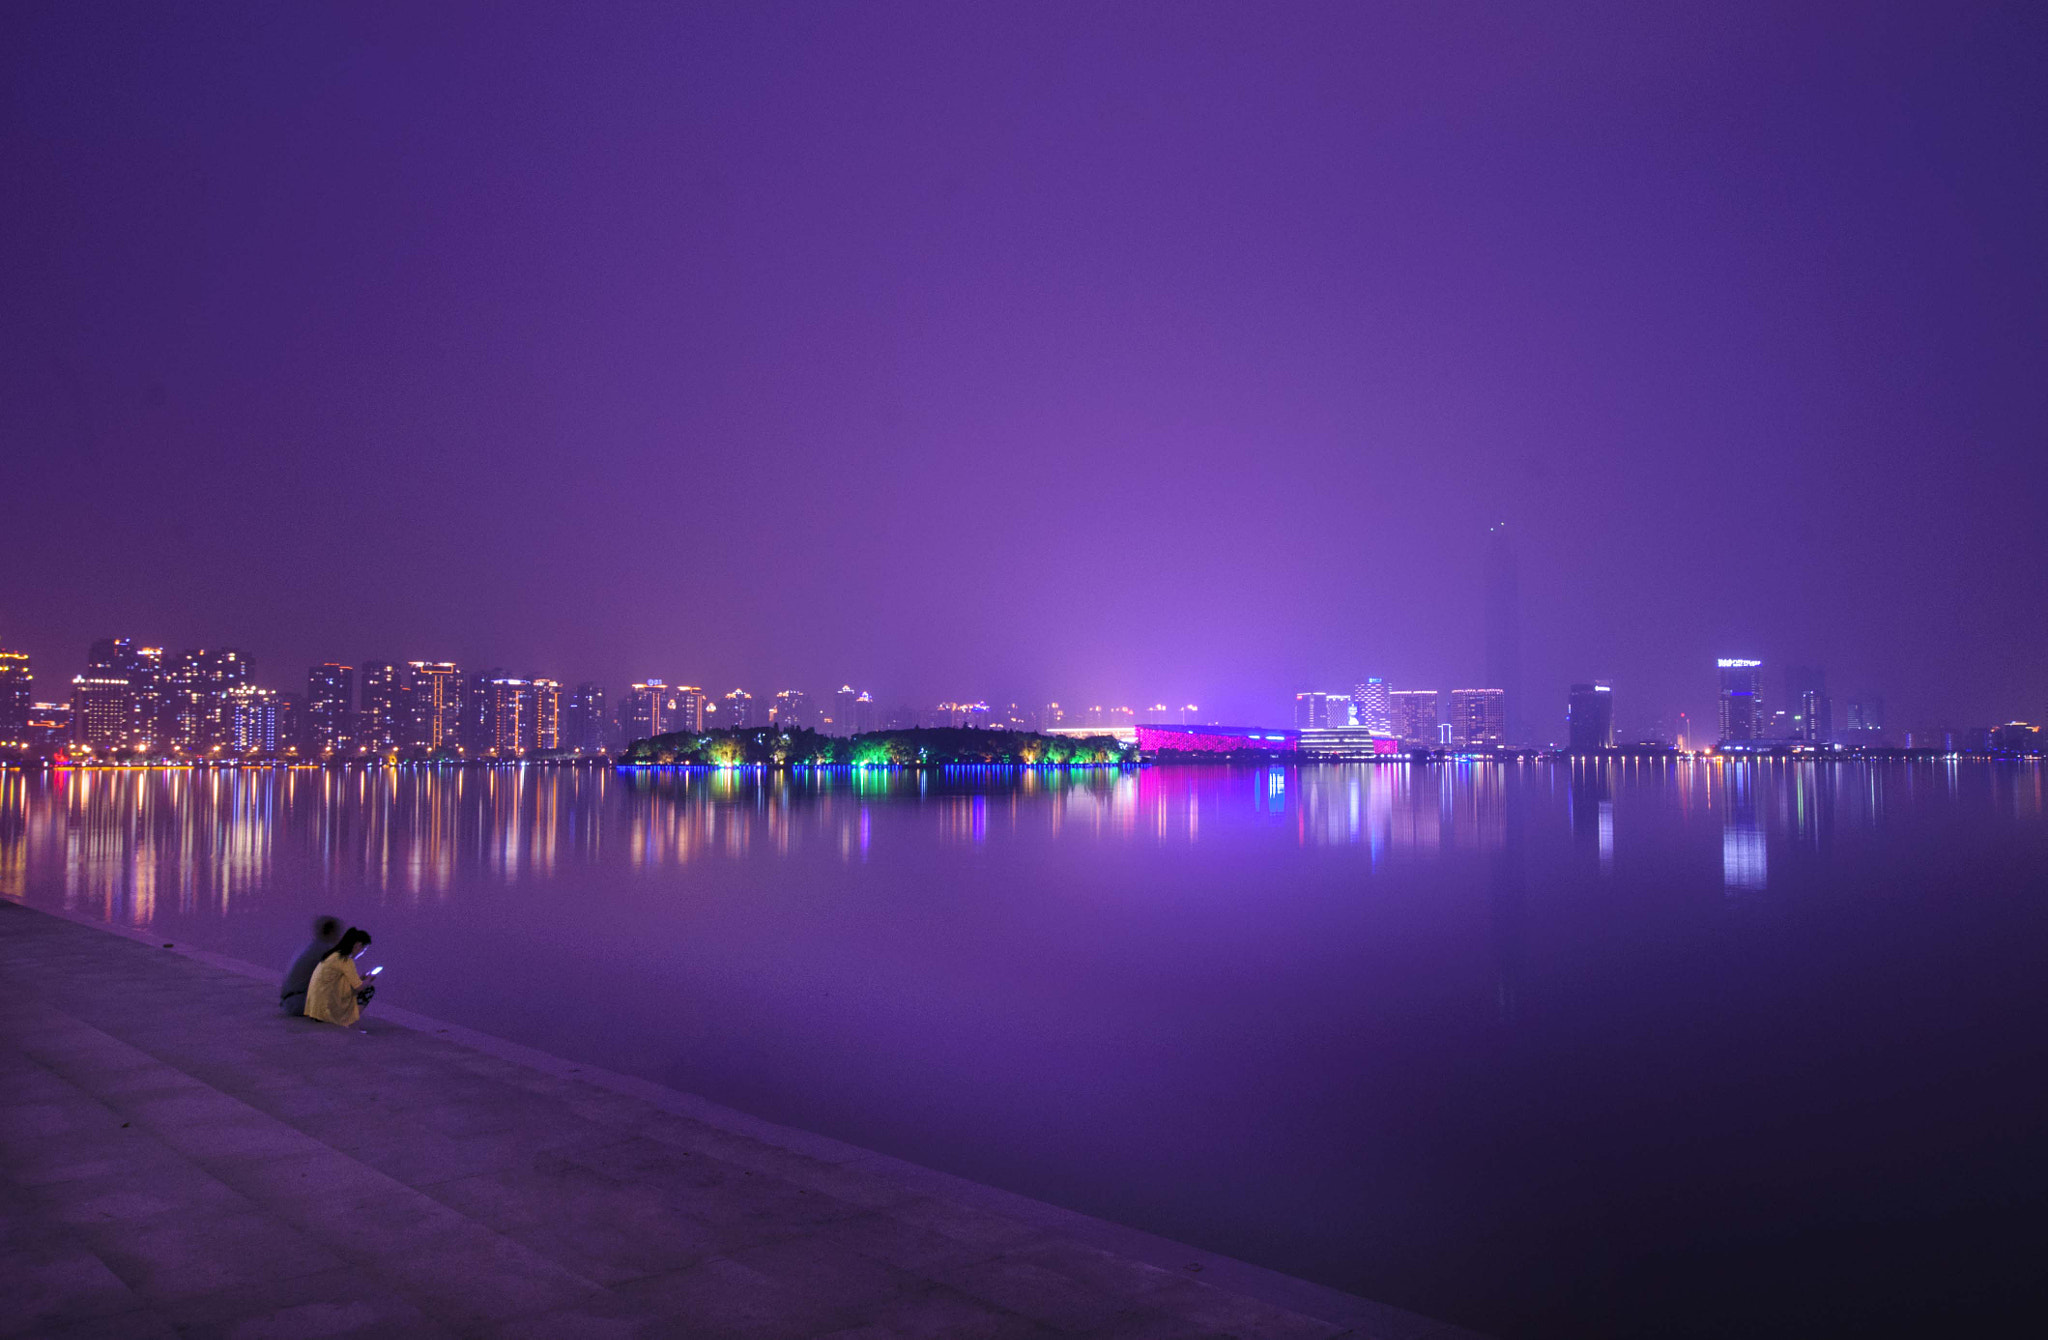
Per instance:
(1202,359)
(200,702)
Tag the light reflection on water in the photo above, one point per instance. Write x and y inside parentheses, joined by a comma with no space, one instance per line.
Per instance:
(1385,1026)
(125,839)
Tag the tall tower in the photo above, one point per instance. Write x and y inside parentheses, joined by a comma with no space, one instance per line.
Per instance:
(1742,698)
(583,725)
(792,710)
(16,684)
(1504,627)
(1806,690)
(513,717)
(1372,708)
(381,723)
(1414,712)
(330,707)
(433,704)
(1589,716)
(547,714)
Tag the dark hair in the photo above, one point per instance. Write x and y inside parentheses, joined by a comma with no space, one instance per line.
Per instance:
(327,928)
(351,940)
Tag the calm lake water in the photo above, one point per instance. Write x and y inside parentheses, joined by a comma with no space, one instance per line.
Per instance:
(1638,1048)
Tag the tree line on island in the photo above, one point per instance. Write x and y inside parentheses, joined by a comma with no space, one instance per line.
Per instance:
(890,748)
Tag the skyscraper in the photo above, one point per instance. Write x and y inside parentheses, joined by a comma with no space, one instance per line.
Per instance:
(330,707)
(1414,716)
(16,685)
(842,710)
(103,709)
(381,723)
(291,724)
(656,707)
(1589,716)
(863,713)
(1370,707)
(197,714)
(583,721)
(252,719)
(738,710)
(643,711)
(118,702)
(792,710)
(1742,699)
(547,715)
(1478,718)
(1504,627)
(513,717)
(433,704)
(1806,689)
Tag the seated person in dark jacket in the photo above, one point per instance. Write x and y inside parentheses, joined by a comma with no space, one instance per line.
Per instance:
(292,994)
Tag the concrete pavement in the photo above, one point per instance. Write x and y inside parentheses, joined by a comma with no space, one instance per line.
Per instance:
(180,1160)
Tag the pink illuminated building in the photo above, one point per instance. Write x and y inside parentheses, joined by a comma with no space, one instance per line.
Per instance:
(1215,739)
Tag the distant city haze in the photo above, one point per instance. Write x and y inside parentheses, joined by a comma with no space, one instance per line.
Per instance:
(1102,354)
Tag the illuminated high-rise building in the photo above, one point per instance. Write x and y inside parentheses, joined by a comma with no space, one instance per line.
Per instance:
(252,719)
(583,719)
(513,717)
(656,707)
(1589,716)
(1370,707)
(117,704)
(547,714)
(737,712)
(642,713)
(433,705)
(842,710)
(474,732)
(196,714)
(1414,717)
(1813,713)
(792,710)
(291,724)
(1478,718)
(381,724)
(1742,699)
(863,714)
(330,707)
(16,697)
(102,710)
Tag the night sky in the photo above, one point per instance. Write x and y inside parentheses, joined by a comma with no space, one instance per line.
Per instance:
(1116,353)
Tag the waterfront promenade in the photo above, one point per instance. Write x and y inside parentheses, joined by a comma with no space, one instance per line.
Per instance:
(177,1159)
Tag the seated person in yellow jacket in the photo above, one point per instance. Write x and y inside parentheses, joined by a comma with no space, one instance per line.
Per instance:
(338,992)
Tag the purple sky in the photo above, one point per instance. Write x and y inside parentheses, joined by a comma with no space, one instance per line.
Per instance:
(1112,352)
